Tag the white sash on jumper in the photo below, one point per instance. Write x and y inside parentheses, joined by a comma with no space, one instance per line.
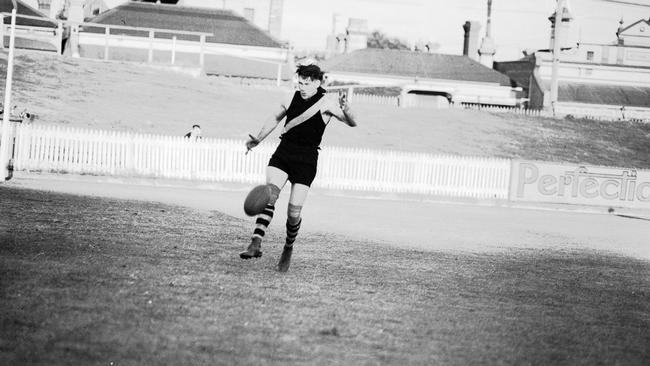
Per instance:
(310,112)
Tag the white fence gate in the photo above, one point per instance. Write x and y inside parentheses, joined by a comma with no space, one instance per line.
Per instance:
(67,150)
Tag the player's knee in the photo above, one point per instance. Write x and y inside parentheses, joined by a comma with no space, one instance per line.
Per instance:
(275,193)
(293,213)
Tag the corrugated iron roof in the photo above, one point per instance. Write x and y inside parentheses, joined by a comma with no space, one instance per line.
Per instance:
(414,64)
(632,96)
(6,6)
(226,26)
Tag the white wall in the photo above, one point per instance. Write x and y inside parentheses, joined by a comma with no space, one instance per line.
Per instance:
(462,92)
(596,73)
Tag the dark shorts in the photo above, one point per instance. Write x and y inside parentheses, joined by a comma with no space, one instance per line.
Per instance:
(300,163)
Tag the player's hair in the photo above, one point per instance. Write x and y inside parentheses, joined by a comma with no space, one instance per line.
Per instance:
(310,71)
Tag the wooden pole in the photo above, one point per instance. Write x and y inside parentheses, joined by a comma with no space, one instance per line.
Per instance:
(5,140)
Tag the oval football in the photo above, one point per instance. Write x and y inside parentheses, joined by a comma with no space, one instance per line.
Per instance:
(256,200)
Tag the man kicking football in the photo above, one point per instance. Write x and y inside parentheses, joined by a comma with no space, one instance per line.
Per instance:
(296,157)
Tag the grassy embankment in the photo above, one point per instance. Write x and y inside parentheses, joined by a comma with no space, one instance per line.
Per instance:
(133,97)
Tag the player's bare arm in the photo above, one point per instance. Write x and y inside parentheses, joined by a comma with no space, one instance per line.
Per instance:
(341,110)
(269,125)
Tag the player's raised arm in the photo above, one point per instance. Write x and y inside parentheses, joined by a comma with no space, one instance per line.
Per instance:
(341,110)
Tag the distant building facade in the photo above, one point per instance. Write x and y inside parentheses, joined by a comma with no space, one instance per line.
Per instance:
(425,79)
(218,41)
(347,38)
(615,73)
(266,14)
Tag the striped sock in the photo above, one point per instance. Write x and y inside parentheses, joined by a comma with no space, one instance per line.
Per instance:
(262,222)
(292,232)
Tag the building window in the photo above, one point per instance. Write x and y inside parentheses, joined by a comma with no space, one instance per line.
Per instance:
(44,5)
(590,55)
(249,14)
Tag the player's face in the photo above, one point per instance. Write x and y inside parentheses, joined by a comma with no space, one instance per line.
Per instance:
(307,87)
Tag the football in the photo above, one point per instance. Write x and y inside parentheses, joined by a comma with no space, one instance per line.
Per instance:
(257,199)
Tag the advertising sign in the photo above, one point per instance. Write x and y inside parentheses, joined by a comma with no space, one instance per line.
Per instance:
(579,184)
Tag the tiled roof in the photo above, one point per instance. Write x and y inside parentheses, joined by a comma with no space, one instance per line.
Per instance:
(6,6)
(414,64)
(604,94)
(225,26)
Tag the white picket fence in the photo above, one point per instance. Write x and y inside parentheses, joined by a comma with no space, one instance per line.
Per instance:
(67,150)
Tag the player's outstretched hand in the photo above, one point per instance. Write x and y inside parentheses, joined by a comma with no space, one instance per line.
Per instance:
(251,143)
(343,99)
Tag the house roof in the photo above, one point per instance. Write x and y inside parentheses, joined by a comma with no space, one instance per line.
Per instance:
(6,6)
(414,64)
(623,30)
(226,26)
(631,96)
(519,71)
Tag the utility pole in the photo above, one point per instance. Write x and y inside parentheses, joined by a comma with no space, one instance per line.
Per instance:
(5,141)
(559,12)
(488,49)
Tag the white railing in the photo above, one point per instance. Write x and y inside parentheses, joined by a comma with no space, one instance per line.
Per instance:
(374,99)
(45,34)
(562,110)
(67,150)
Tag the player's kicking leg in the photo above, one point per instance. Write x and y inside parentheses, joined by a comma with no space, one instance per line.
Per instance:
(296,201)
(276,179)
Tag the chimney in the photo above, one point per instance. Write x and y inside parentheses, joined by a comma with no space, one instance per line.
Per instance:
(76,11)
(275,18)
(488,49)
(470,43)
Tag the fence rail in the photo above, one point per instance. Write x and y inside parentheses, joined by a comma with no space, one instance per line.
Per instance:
(577,110)
(67,150)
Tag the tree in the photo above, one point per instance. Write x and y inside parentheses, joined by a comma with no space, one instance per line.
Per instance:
(378,39)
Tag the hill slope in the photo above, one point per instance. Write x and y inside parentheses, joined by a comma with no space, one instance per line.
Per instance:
(137,97)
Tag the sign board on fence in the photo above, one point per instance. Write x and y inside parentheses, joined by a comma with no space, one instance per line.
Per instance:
(579,184)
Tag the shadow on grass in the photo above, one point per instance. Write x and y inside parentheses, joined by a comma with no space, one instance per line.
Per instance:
(94,281)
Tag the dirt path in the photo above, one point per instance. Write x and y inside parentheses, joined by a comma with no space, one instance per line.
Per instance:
(427,225)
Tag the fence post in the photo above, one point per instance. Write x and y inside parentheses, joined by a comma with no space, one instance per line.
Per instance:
(151,38)
(2,32)
(173,50)
(279,76)
(623,112)
(74,41)
(59,38)
(202,53)
(107,34)
(129,164)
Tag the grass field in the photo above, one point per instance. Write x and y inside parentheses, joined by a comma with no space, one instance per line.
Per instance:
(101,281)
(98,281)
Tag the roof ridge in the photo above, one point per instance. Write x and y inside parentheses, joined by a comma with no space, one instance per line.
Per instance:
(176,7)
(633,24)
(415,64)
(37,11)
(225,25)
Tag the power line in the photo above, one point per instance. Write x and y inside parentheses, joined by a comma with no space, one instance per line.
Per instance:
(633,3)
